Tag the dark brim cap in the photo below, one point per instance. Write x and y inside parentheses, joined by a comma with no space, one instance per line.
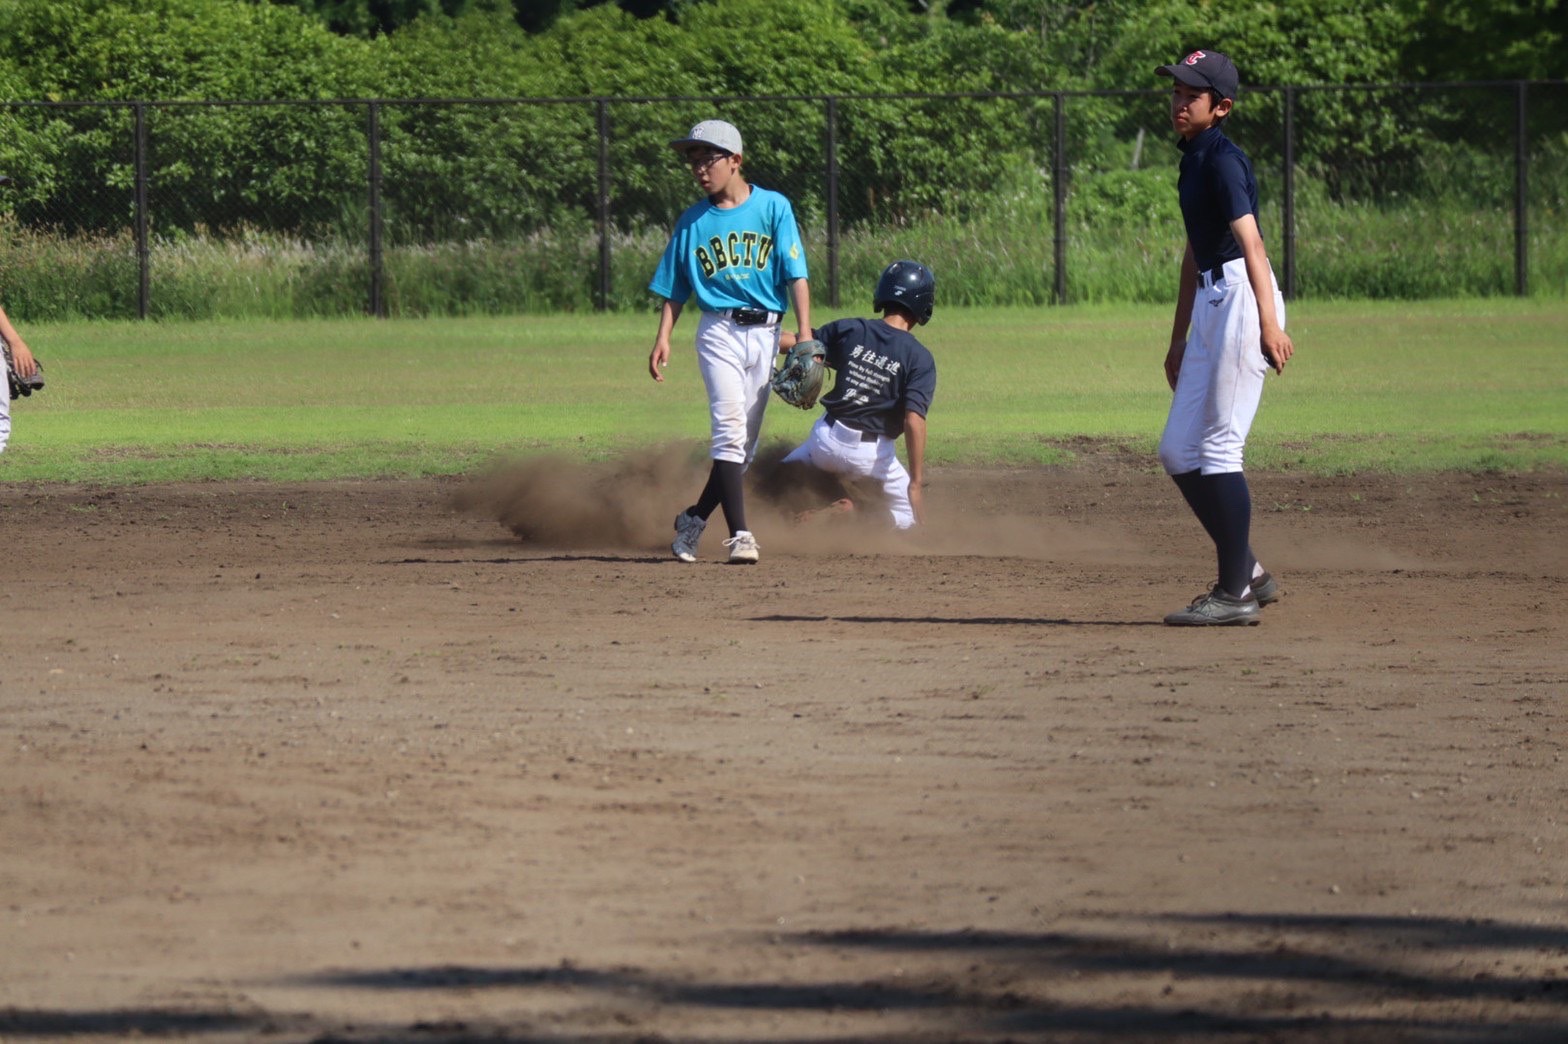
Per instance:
(1209,70)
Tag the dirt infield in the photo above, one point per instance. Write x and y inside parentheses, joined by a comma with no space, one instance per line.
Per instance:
(359,762)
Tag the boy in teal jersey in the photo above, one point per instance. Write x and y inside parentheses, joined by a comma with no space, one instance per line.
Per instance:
(739,253)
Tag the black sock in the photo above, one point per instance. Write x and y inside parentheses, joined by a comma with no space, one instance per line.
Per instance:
(1223,504)
(730,475)
(708,499)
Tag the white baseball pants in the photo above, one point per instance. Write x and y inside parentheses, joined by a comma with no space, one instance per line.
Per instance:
(1221,379)
(5,417)
(736,363)
(835,448)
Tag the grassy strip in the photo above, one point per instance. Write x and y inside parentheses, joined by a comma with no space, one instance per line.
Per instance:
(1470,385)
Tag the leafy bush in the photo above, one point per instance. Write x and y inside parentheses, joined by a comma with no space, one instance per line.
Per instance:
(225,166)
(495,205)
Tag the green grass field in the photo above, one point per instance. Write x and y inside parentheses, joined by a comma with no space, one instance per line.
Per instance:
(1398,386)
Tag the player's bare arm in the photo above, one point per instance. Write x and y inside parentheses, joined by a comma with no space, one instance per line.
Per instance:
(800,296)
(1273,339)
(660,356)
(1184,295)
(915,448)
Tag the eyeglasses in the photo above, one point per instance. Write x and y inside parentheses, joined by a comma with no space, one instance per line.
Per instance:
(702,161)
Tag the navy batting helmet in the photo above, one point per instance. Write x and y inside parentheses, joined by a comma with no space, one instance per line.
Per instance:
(911,286)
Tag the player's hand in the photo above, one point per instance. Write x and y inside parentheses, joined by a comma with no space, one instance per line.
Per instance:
(1173,360)
(788,339)
(1277,348)
(917,501)
(22,359)
(657,360)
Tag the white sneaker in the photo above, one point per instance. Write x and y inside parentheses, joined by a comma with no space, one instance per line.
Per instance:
(743,548)
(688,530)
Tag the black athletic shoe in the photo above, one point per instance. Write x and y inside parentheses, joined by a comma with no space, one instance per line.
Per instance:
(1216,609)
(1265,589)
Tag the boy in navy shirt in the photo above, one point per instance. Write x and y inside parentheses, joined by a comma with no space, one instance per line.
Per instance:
(1228,332)
(883,385)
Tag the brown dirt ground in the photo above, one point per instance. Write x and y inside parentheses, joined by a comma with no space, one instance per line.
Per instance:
(355,761)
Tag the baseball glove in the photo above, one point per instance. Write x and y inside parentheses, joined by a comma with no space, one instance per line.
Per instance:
(21,386)
(799,380)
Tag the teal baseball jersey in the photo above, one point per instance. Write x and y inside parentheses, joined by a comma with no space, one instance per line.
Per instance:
(740,257)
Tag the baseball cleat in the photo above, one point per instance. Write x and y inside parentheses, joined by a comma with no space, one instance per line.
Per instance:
(1217,609)
(839,508)
(1265,589)
(688,530)
(743,548)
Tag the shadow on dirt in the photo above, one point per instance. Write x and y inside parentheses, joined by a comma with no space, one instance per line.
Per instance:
(990,621)
(1281,979)
(22,1024)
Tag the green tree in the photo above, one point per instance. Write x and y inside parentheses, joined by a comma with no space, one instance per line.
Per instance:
(1487,40)
(375,17)
(468,170)
(378,17)
(1309,42)
(269,165)
(163,50)
(1074,35)
(1304,42)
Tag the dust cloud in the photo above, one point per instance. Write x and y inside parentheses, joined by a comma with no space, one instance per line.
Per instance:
(629,503)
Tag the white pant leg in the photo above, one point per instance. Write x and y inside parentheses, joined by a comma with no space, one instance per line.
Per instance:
(840,450)
(821,450)
(895,482)
(5,418)
(736,363)
(1221,379)
(1179,442)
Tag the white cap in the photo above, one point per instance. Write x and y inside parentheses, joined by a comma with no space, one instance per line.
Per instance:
(717,133)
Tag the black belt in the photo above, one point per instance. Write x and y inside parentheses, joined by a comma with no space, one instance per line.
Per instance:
(865,436)
(750,316)
(1215,274)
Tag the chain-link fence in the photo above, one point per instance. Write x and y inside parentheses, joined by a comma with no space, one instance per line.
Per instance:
(464,206)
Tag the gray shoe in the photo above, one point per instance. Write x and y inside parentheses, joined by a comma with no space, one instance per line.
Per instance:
(743,548)
(1265,589)
(688,530)
(1216,609)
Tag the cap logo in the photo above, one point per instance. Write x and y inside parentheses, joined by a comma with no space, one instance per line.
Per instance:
(1194,58)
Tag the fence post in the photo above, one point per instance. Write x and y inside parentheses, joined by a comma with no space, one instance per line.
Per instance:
(831,144)
(602,218)
(143,263)
(1521,190)
(1289,217)
(378,306)
(1059,189)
